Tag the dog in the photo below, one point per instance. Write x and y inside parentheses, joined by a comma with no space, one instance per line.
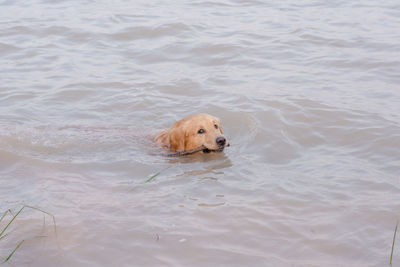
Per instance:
(196,133)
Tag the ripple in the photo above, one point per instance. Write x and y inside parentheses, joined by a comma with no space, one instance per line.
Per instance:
(307,94)
(143,32)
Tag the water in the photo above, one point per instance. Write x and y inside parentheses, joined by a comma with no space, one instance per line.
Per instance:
(307,92)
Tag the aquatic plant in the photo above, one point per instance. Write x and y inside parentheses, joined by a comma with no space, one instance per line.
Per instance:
(153,176)
(158,173)
(394,239)
(3,233)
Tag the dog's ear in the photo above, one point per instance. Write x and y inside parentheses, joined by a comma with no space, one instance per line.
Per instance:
(177,139)
(162,139)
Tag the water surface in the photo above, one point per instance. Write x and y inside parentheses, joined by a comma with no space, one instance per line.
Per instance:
(307,92)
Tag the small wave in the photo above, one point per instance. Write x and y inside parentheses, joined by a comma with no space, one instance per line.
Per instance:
(146,32)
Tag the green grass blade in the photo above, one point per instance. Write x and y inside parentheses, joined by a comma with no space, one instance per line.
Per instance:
(394,238)
(15,249)
(34,208)
(152,177)
(4,215)
(10,222)
(30,207)
(3,236)
(158,173)
(48,213)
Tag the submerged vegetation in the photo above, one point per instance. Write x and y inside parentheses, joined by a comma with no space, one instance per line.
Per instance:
(3,230)
(158,173)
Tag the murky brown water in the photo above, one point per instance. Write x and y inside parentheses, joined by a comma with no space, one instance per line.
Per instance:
(307,92)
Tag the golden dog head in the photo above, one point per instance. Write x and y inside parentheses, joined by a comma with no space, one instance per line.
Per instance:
(200,130)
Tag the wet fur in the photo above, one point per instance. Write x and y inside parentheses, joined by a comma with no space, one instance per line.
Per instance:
(184,134)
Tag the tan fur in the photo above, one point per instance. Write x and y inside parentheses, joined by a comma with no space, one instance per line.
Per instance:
(184,134)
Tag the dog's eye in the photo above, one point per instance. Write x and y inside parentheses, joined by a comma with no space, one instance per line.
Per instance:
(201,131)
(216,126)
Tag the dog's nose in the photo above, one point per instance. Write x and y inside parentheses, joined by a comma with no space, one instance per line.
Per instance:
(220,141)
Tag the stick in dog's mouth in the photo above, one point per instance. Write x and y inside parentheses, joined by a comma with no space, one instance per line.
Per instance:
(187,152)
(194,150)
(206,150)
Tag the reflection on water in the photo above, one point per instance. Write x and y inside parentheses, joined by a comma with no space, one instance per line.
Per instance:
(307,94)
